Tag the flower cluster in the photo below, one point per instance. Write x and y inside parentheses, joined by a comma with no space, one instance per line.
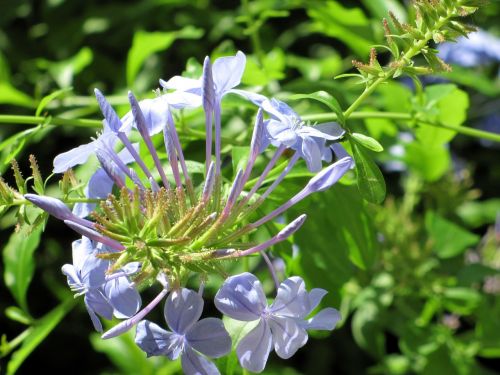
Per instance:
(155,226)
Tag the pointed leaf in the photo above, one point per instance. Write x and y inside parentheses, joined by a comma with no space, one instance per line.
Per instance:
(371,182)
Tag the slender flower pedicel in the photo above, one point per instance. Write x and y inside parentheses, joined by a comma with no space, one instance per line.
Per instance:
(148,229)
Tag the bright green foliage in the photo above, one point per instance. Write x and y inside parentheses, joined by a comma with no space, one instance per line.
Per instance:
(406,244)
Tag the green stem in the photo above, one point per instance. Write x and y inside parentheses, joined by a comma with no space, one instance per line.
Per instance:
(35,120)
(16,341)
(408,117)
(476,133)
(359,115)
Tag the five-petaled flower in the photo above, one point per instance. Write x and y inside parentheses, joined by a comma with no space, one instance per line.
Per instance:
(105,295)
(281,324)
(188,336)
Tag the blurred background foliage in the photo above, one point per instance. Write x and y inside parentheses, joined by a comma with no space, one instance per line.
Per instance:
(416,278)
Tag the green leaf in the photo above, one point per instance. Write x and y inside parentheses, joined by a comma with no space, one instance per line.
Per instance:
(378,127)
(47,99)
(146,43)
(271,68)
(476,214)
(19,262)
(124,346)
(350,25)
(429,161)
(64,71)
(381,8)
(18,315)
(239,157)
(371,182)
(10,95)
(38,332)
(461,300)
(326,99)
(367,142)
(449,239)
(367,329)
(338,233)
(446,104)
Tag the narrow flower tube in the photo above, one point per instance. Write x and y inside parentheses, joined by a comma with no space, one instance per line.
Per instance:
(109,167)
(208,188)
(56,208)
(142,127)
(106,155)
(279,151)
(217,117)
(233,194)
(115,125)
(280,178)
(320,182)
(94,235)
(208,97)
(178,147)
(129,323)
(172,155)
(281,236)
(255,147)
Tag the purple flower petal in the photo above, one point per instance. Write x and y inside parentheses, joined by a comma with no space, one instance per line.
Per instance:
(183,308)
(182,99)
(96,322)
(331,128)
(292,299)
(75,156)
(315,297)
(227,72)
(97,302)
(157,341)
(195,364)
(72,274)
(326,320)
(99,186)
(241,297)
(124,298)
(209,337)
(330,175)
(311,154)
(253,350)
(281,111)
(281,133)
(255,98)
(182,84)
(317,131)
(288,336)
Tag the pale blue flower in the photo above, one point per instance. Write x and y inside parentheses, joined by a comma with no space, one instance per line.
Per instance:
(100,185)
(226,73)
(79,155)
(188,336)
(287,129)
(241,297)
(105,295)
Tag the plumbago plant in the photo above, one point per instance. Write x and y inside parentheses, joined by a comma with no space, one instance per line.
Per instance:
(147,224)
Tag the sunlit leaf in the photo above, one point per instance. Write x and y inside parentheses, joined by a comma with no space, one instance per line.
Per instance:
(19,262)
(371,183)
(146,43)
(448,238)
